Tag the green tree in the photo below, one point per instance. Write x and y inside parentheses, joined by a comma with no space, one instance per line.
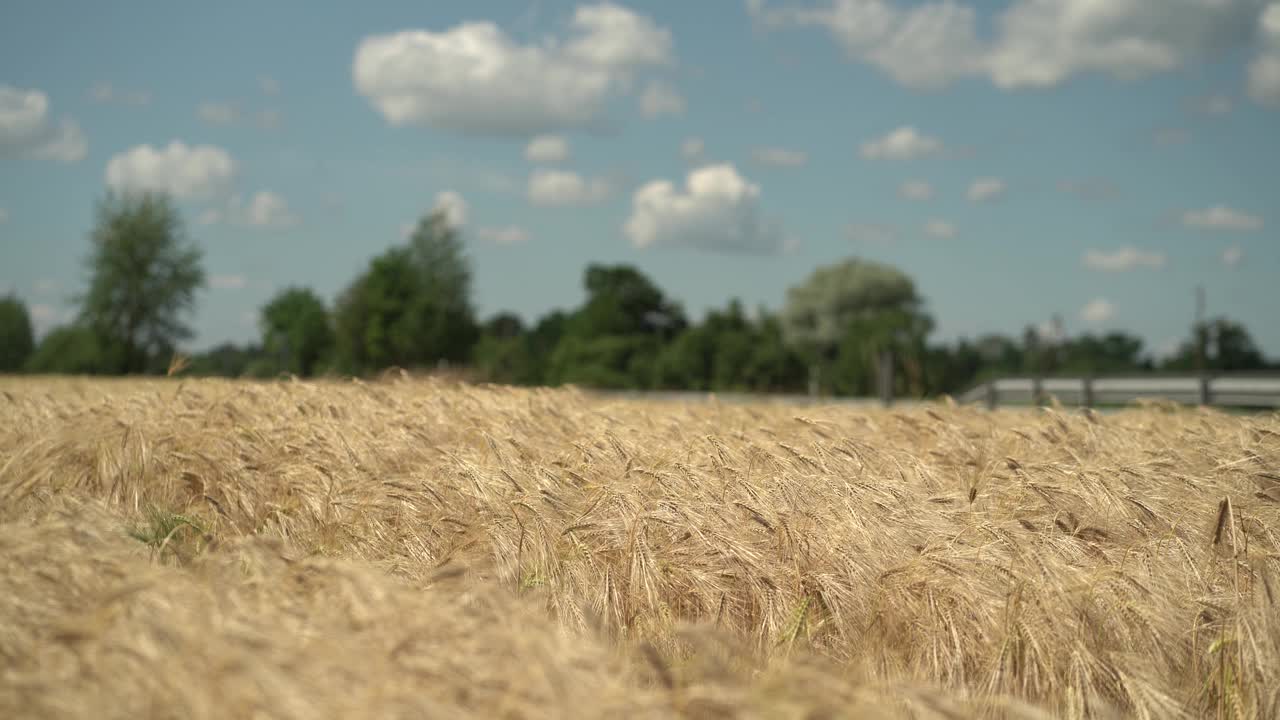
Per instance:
(225,360)
(296,331)
(844,314)
(17,341)
(1227,346)
(410,308)
(71,350)
(504,352)
(613,340)
(144,275)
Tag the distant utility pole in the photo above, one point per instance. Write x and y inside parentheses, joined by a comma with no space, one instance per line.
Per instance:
(1198,334)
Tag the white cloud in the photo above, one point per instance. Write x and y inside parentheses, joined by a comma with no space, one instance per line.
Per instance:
(1264,71)
(870,233)
(1034,43)
(779,157)
(1123,259)
(228,282)
(940,229)
(195,171)
(1092,189)
(1171,136)
(904,143)
(270,119)
(718,210)
(1232,256)
(1214,105)
(473,78)
(27,128)
(693,149)
(219,113)
(916,190)
(509,235)
(107,94)
(564,188)
(268,85)
(265,209)
(43,316)
(660,99)
(1097,311)
(1221,217)
(984,189)
(547,149)
(268,209)
(454,207)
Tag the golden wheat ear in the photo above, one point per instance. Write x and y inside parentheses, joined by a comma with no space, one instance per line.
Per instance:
(177,364)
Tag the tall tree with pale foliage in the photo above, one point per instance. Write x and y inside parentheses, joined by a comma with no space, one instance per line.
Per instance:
(144,274)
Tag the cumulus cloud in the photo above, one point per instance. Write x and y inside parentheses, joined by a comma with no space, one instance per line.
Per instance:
(474,78)
(508,235)
(218,113)
(268,85)
(1232,256)
(1123,259)
(265,209)
(228,282)
(660,99)
(779,157)
(718,210)
(870,233)
(1093,189)
(916,190)
(27,128)
(1221,217)
(940,229)
(1264,71)
(1033,43)
(184,171)
(984,189)
(1097,311)
(453,206)
(693,149)
(547,149)
(105,93)
(904,143)
(1166,137)
(565,188)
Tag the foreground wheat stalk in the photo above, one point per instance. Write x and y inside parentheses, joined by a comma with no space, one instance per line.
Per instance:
(416,549)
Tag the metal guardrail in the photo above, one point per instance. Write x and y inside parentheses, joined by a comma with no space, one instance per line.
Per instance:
(1244,391)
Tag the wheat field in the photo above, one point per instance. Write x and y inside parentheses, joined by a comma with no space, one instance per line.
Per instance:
(417,548)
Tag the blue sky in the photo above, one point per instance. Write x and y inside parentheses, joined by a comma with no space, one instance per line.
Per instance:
(1018,159)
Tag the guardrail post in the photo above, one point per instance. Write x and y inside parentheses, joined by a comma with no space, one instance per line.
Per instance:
(992,395)
(886,377)
(1037,390)
(1206,397)
(1086,393)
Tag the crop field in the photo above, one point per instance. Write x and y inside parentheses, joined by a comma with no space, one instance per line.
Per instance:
(416,548)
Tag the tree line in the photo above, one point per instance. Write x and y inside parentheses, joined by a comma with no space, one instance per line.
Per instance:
(411,307)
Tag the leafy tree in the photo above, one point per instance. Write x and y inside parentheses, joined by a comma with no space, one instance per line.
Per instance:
(1110,353)
(1226,345)
(613,340)
(296,331)
(71,350)
(410,307)
(504,353)
(225,360)
(17,340)
(144,278)
(844,314)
